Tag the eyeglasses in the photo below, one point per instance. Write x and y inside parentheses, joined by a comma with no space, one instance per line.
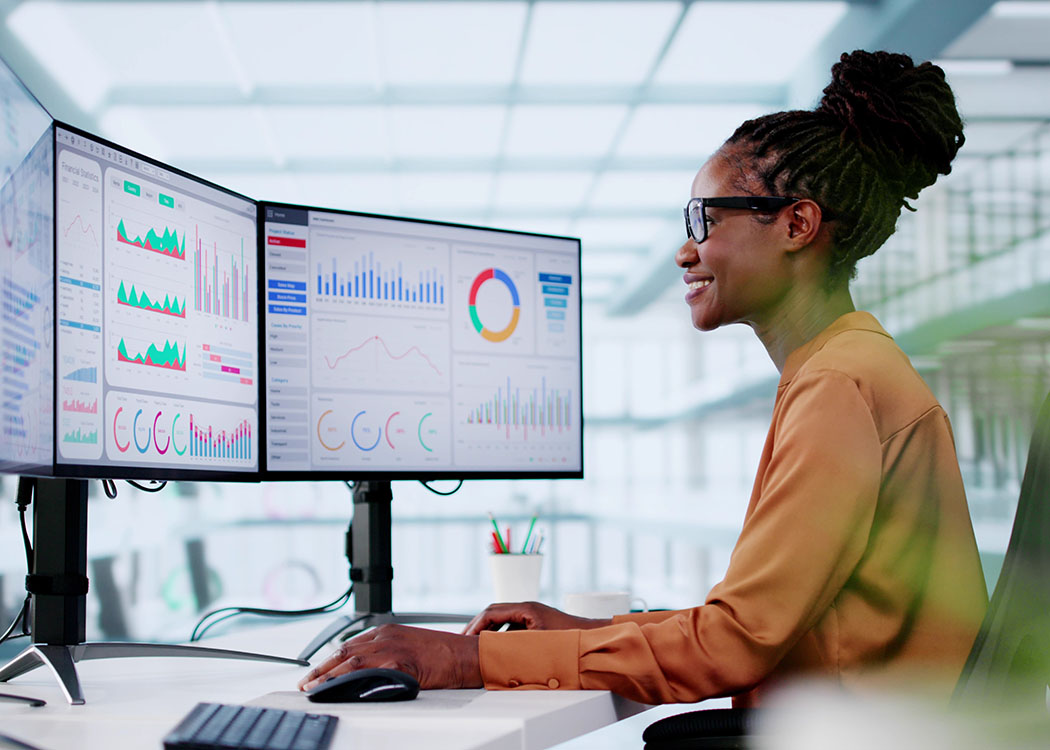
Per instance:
(696,210)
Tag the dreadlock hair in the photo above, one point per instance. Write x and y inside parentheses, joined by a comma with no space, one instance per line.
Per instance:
(884,129)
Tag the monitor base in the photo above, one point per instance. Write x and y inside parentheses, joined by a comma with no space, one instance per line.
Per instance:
(348,626)
(61,660)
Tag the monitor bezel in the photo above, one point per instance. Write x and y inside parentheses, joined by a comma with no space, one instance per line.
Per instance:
(270,475)
(104,471)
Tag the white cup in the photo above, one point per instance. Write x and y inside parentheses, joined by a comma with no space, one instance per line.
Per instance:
(601,605)
(516,577)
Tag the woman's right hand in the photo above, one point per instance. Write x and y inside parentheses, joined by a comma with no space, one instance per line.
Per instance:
(531,615)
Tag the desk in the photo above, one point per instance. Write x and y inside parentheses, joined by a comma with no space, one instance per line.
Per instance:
(133,703)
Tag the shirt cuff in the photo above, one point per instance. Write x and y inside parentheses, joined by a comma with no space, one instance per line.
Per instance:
(645,618)
(530,659)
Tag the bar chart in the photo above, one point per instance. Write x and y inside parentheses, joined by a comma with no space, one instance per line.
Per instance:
(370,280)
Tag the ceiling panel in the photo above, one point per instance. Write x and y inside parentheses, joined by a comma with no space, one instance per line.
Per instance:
(374,192)
(1023,93)
(750,42)
(1011,31)
(571,131)
(330,132)
(595,42)
(682,130)
(446,132)
(449,43)
(308,44)
(423,192)
(601,232)
(563,191)
(198,133)
(995,137)
(664,191)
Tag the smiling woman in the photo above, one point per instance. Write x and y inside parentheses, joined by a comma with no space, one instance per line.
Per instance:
(857,560)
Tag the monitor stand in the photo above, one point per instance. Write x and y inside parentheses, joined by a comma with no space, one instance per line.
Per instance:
(368,550)
(60,587)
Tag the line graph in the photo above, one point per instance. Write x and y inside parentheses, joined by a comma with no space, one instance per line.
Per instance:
(388,354)
(85,229)
(381,344)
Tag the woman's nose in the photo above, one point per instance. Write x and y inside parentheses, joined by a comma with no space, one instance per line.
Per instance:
(687,254)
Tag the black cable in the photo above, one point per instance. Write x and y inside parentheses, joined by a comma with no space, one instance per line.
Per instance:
(154,488)
(23,499)
(110,488)
(235,611)
(438,492)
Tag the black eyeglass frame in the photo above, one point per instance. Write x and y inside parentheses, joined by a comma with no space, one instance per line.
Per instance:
(762,203)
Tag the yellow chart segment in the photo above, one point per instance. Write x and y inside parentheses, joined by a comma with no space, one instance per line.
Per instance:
(506,332)
(321,431)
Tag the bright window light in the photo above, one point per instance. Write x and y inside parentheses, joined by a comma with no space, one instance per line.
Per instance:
(152,43)
(47,31)
(268,185)
(606,265)
(976,67)
(752,42)
(128,127)
(562,131)
(595,42)
(595,290)
(664,191)
(221,133)
(545,190)
(604,232)
(375,192)
(446,132)
(558,225)
(422,193)
(325,44)
(1028,9)
(683,130)
(321,132)
(450,43)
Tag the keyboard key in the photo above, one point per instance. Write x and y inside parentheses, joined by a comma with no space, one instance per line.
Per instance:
(214,726)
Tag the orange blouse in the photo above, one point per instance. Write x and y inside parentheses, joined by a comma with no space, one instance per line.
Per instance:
(857,559)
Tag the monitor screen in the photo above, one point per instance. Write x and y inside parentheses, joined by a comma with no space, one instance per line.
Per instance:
(26,273)
(157,307)
(398,348)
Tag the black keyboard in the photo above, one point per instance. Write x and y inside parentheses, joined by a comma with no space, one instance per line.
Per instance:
(216,725)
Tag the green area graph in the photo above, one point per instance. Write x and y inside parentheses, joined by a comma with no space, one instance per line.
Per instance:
(170,305)
(165,244)
(168,358)
(87,438)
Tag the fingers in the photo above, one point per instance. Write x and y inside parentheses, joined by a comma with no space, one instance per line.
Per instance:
(494,616)
(346,658)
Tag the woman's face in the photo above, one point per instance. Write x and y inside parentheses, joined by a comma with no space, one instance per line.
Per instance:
(736,275)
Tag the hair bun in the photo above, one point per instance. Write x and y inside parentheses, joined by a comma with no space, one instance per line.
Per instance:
(898,112)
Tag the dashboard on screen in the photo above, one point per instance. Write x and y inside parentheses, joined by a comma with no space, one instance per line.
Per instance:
(156,305)
(404,348)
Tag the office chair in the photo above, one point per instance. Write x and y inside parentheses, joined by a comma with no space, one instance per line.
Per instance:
(1009,664)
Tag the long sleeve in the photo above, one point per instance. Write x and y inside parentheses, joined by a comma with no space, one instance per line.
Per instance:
(805,531)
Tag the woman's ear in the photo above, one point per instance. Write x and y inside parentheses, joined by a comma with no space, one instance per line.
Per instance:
(803,223)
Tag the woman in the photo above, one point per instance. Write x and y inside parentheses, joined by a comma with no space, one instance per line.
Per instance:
(857,560)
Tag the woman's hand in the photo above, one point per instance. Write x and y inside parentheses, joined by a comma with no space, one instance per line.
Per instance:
(436,659)
(532,615)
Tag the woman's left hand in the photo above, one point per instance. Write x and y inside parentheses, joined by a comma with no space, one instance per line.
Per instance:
(435,658)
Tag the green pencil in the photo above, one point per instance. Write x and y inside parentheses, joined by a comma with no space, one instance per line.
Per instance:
(525,546)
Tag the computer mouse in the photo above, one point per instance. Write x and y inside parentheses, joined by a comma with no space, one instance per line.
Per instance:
(369,685)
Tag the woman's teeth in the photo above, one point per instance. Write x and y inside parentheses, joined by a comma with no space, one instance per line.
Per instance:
(700,284)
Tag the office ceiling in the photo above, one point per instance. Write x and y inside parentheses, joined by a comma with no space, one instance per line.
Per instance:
(586,118)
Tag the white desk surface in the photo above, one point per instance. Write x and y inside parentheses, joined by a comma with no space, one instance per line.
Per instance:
(133,703)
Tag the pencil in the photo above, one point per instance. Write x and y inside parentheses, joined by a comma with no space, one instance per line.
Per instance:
(499,539)
(528,536)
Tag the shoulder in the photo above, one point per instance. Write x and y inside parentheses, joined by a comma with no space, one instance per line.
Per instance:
(870,361)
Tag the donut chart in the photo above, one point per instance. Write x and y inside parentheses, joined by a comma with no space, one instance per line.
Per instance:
(497,275)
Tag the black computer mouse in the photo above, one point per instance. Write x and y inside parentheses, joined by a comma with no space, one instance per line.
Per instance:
(366,685)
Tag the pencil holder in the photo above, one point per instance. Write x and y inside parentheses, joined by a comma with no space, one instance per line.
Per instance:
(516,578)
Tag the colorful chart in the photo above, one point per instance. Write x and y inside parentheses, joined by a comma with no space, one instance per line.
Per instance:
(166,244)
(170,305)
(168,358)
(83,375)
(481,278)
(219,289)
(536,410)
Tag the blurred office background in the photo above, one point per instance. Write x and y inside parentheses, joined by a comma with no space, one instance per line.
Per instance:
(579,118)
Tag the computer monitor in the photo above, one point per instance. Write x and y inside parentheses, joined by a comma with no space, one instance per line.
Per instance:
(157,319)
(26,273)
(408,349)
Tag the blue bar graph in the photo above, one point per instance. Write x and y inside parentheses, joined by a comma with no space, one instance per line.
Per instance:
(370,280)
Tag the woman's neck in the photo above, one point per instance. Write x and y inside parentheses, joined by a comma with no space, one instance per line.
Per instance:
(800,318)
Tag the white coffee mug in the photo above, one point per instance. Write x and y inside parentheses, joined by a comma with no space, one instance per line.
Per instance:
(602,604)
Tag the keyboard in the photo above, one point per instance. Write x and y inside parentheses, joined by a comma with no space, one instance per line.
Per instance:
(216,725)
